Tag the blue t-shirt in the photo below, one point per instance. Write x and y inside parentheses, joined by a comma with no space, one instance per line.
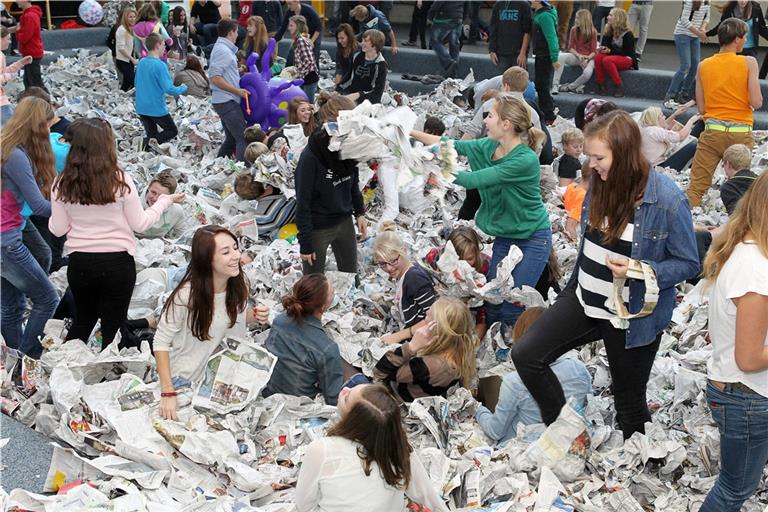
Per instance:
(60,152)
(750,42)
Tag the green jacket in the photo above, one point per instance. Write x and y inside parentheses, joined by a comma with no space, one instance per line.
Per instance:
(545,33)
(509,188)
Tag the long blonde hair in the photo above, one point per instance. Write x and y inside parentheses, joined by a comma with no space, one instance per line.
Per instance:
(124,18)
(750,220)
(585,28)
(512,109)
(28,127)
(388,244)
(619,24)
(455,337)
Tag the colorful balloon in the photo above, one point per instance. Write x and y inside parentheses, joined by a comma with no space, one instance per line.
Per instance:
(91,12)
(268,97)
(289,232)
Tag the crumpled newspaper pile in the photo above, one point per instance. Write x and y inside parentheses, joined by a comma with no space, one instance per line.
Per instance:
(234,451)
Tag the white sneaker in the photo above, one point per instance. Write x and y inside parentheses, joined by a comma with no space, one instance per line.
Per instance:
(671,104)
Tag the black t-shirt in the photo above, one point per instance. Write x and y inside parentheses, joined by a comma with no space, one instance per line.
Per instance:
(569,167)
(208,13)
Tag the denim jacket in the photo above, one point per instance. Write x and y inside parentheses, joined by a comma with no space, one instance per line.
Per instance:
(308,361)
(664,238)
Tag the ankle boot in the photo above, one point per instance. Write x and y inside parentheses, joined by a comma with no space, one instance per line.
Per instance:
(619,93)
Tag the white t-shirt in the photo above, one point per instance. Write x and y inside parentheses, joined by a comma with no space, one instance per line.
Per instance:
(188,354)
(745,271)
(332,479)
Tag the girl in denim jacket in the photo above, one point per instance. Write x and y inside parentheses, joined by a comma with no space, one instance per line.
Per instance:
(631,212)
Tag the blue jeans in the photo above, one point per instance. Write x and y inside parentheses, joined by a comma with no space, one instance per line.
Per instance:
(689,53)
(310,91)
(22,277)
(742,419)
(6,111)
(437,36)
(535,255)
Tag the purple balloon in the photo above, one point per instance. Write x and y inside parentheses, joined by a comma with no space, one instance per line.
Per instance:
(268,98)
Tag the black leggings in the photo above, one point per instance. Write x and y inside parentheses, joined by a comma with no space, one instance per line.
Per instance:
(102,284)
(128,72)
(565,326)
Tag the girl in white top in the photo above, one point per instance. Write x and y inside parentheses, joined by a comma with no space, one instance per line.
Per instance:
(208,305)
(365,462)
(661,136)
(737,268)
(124,57)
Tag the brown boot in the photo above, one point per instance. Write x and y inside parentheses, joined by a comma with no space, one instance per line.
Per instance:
(619,92)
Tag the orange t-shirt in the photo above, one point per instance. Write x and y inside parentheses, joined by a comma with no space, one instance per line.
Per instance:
(573,198)
(725,83)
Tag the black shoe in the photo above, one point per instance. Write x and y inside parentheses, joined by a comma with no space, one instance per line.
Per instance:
(619,92)
(601,90)
(408,43)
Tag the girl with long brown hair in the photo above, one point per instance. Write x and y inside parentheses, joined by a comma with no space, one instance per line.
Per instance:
(31,136)
(308,360)
(631,214)
(346,47)
(506,172)
(256,40)
(439,355)
(364,459)
(736,267)
(97,206)
(209,304)
(23,275)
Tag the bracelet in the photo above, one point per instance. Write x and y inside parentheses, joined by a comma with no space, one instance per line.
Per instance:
(168,394)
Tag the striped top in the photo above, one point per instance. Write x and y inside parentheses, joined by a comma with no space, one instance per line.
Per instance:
(595,280)
(690,18)
(415,295)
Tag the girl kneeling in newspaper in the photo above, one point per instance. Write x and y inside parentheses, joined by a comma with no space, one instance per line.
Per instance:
(208,305)
(440,354)
(415,293)
(308,361)
(365,461)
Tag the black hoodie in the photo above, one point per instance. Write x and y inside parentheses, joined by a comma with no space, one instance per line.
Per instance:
(510,21)
(327,190)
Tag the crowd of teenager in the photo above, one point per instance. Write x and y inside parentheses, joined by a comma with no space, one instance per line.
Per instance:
(67,202)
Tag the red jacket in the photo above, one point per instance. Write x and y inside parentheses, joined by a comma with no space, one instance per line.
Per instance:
(29,36)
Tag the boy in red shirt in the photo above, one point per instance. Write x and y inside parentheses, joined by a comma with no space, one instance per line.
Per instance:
(31,42)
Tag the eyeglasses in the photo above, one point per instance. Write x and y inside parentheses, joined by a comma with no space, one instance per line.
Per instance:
(385,264)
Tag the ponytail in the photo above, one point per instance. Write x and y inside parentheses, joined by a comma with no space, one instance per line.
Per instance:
(309,295)
(535,138)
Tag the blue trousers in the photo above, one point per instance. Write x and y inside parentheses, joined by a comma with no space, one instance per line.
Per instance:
(535,255)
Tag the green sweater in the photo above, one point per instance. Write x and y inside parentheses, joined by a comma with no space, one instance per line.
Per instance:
(509,188)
